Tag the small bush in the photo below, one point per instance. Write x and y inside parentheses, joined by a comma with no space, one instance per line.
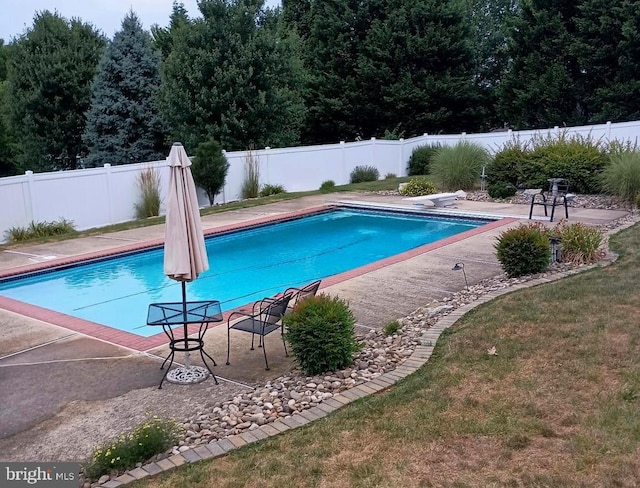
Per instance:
(251,182)
(416,187)
(327,186)
(501,190)
(391,328)
(622,176)
(268,190)
(459,167)
(149,203)
(577,159)
(580,243)
(147,440)
(37,230)
(504,167)
(390,176)
(524,250)
(321,333)
(420,160)
(360,174)
(210,168)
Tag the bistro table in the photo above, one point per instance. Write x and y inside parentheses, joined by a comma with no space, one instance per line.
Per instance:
(169,315)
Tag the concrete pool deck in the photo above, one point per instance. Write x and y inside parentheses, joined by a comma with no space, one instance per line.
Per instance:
(50,374)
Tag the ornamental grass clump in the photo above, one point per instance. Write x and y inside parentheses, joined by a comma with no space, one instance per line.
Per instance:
(621,177)
(268,190)
(417,187)
(580,243)
(524,250)
(360,174)
(36,230)
(153,437)
(321,333)
(149,203)
(459,167)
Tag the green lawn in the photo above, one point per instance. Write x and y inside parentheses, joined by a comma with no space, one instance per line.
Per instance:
(559,406)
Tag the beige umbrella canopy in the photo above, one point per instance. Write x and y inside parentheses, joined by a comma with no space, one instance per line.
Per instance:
(185,255)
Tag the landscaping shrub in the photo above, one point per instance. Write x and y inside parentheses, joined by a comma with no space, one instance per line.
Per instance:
(147,440)
(390,176)
(251,182)
(40,229)
(622,176)
(504,165)
(416,187)
(459,167)
(361,174)
(327,186)
(271,190)
(210,168)
(501,190)
(320,330)
(524,250)
(420,160)
(149,203)
(577,159)
(580,243)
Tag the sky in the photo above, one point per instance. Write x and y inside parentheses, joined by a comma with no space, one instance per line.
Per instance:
(106,15)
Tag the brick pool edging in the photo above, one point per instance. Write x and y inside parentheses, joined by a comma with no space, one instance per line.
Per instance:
(418,358)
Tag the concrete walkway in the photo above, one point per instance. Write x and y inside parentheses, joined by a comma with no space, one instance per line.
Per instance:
(48,374)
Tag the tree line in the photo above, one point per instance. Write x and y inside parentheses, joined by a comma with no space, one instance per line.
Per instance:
(312,71)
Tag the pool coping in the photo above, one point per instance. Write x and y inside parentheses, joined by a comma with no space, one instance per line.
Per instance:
(144,344)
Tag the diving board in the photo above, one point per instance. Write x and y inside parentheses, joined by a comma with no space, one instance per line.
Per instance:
(438,199)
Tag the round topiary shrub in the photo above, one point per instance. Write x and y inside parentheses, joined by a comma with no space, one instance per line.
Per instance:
(420,160)
(327,186)
(501,190)
(416,187)
(320,330)
(524,250)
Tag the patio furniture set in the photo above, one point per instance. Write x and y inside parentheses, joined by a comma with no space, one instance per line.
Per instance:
(264,317)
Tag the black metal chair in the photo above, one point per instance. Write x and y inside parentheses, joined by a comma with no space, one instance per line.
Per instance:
(264,318)
(300,294)
(558,193)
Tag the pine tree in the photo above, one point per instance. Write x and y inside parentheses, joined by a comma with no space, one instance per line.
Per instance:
(124,124)
(543,87)
(49,76)
(163,36)
(608,49)
(416,71)
(233,76)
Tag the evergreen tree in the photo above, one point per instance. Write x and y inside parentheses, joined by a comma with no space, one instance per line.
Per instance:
(416,71)
(210,168)
(49,80)
(163,36)
(608,49)
(7,166)
(331,46)
(233,76)
(124,124)
(544,86)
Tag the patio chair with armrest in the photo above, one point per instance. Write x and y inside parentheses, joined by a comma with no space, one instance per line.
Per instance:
(264,318)
(300,294)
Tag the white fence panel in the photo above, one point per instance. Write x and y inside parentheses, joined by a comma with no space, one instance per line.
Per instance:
(101,196)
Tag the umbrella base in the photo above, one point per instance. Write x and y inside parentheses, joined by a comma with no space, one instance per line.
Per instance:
(187,376)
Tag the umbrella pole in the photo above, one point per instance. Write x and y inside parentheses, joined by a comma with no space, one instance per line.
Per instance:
(187,362)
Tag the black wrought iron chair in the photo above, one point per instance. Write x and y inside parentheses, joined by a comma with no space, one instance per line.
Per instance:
(300,294)
(557,194)
(264,318)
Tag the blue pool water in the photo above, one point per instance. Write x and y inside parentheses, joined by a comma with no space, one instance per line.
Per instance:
(244,266)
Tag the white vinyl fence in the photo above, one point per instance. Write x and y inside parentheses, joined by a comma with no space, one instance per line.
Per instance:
(101,196)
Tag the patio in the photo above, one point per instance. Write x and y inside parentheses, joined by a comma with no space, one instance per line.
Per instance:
(71,391)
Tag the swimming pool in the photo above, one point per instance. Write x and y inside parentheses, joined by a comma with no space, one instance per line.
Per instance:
(245,265)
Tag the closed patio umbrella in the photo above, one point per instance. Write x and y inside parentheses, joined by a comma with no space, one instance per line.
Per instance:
(185,255)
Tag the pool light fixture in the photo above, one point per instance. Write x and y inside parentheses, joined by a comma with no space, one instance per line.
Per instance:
(458,267)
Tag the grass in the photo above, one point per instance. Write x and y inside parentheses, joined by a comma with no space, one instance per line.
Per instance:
(386,184)
(556,407)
